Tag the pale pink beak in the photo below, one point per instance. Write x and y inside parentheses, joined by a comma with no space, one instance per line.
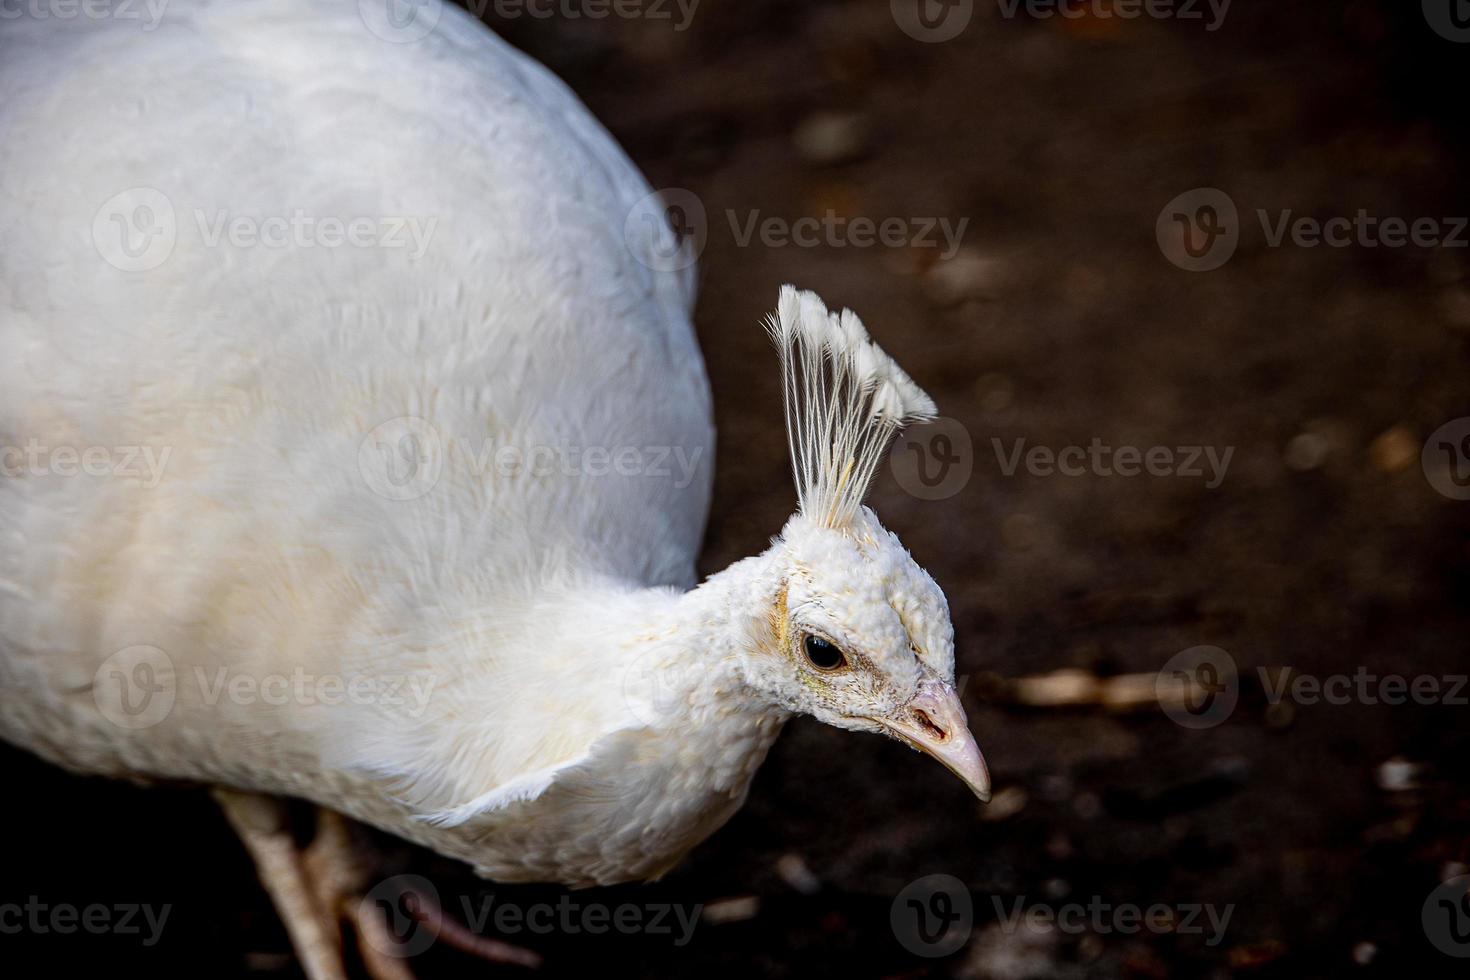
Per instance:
(934,723)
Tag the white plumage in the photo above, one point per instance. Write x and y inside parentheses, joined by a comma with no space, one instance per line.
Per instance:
(539,690)
(844,400)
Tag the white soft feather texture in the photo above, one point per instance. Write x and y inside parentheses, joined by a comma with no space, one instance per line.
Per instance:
(528,321)
(844,398)
(506,621)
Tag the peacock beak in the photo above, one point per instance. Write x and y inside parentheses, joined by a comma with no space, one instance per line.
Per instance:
(934,723)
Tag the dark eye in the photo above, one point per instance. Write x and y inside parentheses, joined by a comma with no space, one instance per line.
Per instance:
(823,655)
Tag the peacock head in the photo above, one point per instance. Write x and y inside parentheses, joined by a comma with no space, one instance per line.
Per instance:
(857,635)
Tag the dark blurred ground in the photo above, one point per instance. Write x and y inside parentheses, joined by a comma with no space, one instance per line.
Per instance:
(1324,549)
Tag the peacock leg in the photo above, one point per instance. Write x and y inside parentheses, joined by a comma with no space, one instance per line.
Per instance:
(261,823)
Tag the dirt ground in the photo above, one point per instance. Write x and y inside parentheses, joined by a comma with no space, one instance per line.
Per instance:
(1324,548)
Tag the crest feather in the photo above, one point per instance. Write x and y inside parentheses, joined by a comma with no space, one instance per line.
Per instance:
(845,398)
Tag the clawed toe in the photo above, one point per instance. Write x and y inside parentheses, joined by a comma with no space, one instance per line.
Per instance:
(314,889)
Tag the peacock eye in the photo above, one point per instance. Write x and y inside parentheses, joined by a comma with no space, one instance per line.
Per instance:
(822,654)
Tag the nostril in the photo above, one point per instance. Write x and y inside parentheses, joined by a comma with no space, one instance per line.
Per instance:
(930,726)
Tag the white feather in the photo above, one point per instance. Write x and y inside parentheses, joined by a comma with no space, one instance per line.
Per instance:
(526,603)
(844,397)
(527,322)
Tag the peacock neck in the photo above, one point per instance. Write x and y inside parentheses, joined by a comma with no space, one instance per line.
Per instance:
(685,666)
